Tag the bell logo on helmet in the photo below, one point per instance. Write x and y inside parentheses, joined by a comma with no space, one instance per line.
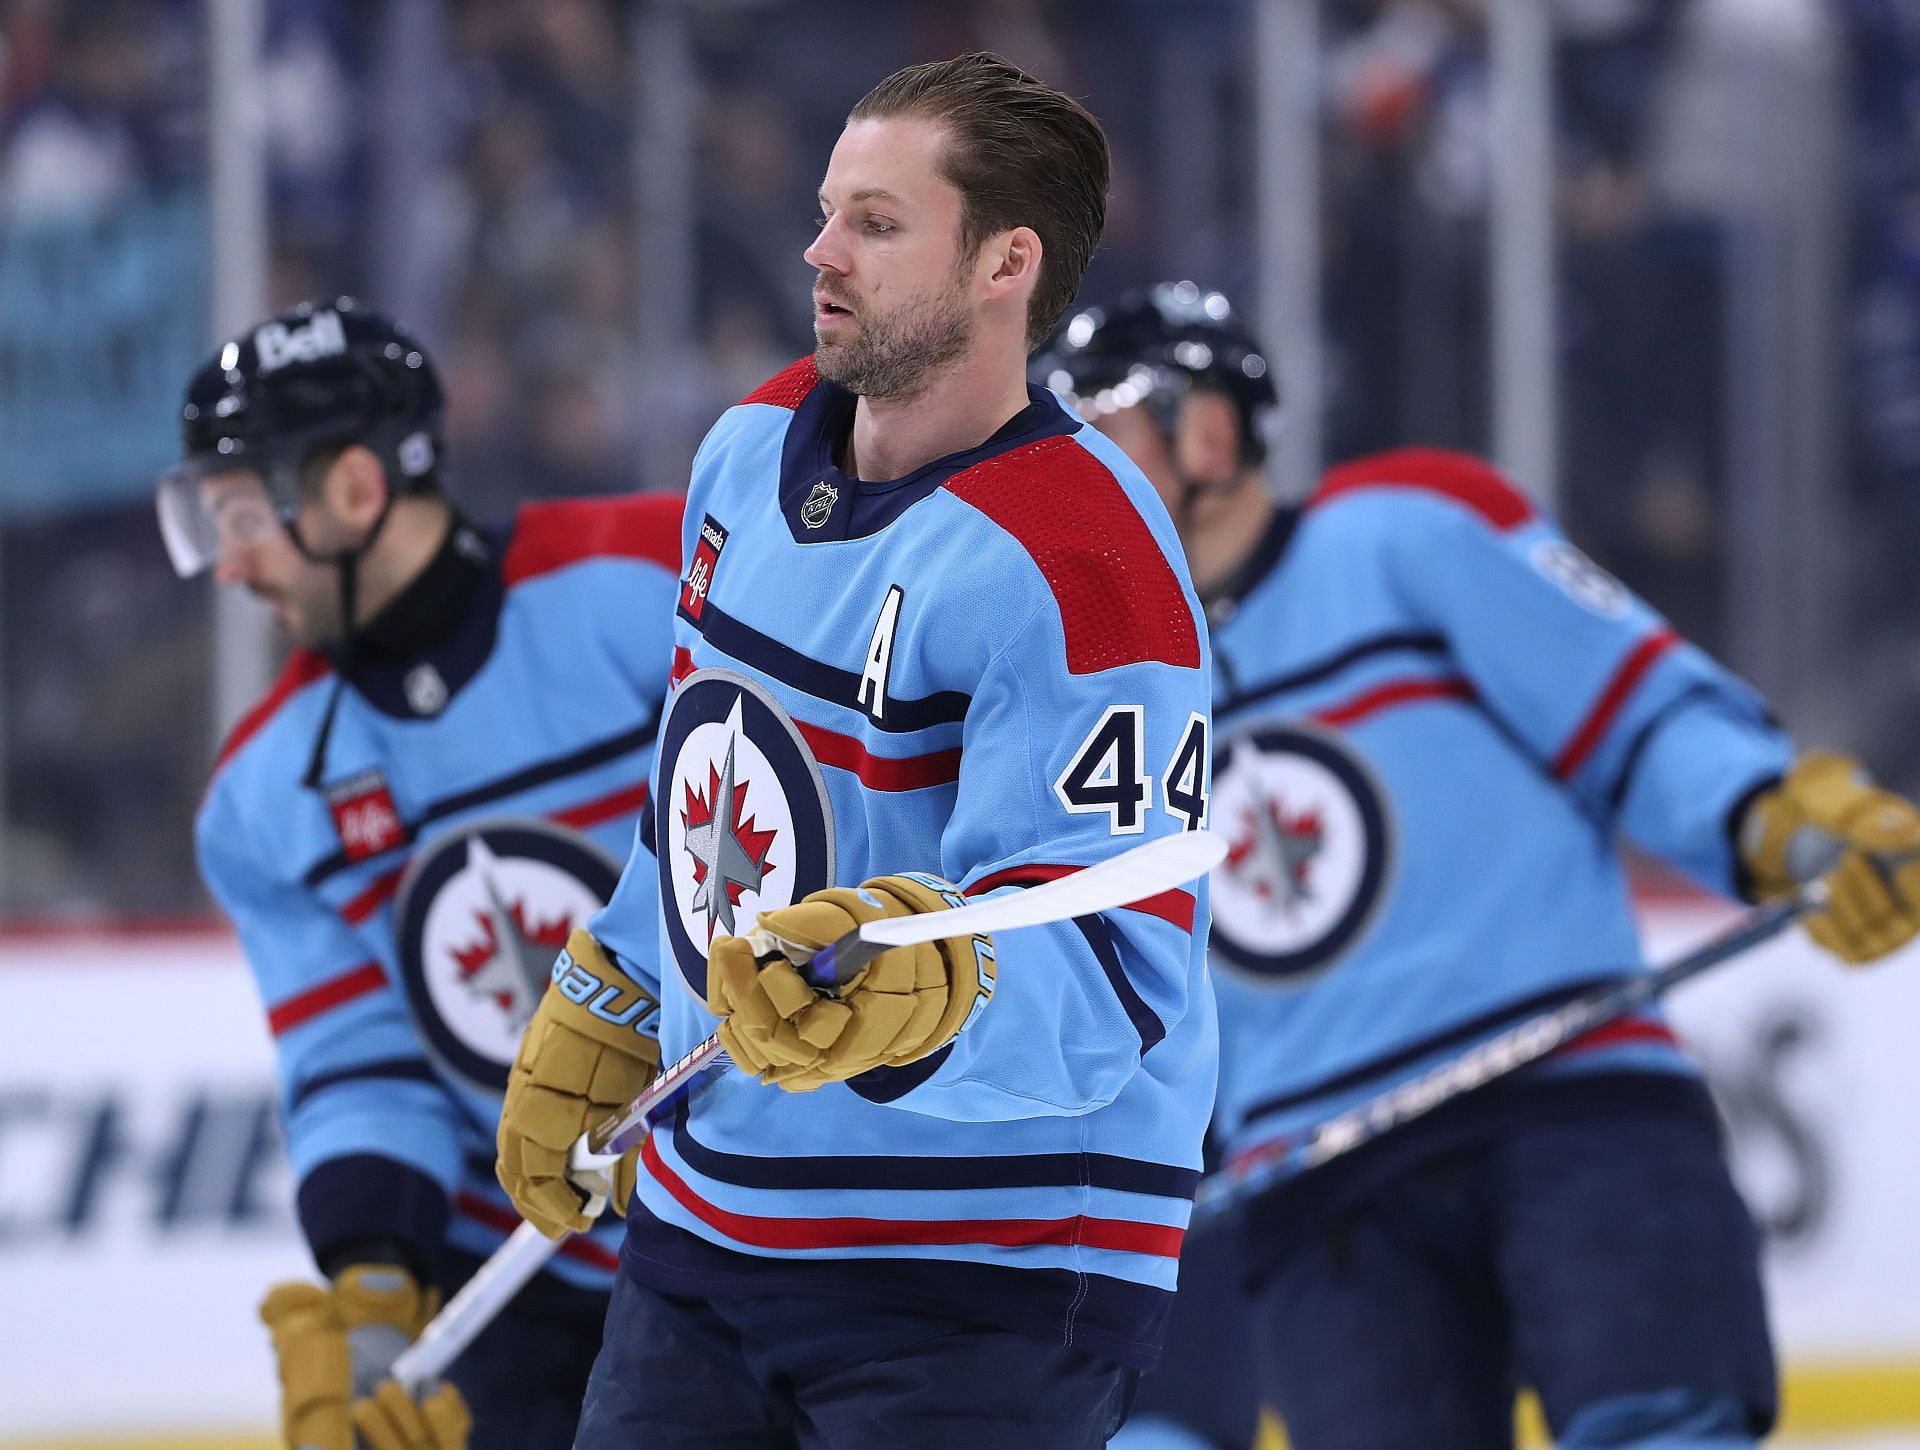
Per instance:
(277,344)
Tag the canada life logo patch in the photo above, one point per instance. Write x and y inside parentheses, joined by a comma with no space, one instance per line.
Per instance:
(699,581)
(480,915)
(1309,851)
(744,824)
(364,815)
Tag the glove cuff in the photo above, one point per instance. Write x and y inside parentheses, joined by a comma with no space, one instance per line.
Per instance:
(592,996)
(918,891)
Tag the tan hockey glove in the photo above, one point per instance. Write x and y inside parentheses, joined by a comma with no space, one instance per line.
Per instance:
(392,1420)
(904,1004)
(584,1056)
(1826,818)
(334,1344)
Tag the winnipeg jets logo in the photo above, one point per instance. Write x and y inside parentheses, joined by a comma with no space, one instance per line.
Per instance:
(745,824)
(1274,850)
(479,918)
(729,853)
(508,960)
(1309,847)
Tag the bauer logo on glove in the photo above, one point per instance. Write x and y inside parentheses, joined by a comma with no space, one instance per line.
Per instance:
(604,999)
(904,1004)
(587,1052)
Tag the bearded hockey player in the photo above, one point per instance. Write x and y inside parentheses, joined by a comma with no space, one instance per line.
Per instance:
(1435,717)
(935,640)
(439,788)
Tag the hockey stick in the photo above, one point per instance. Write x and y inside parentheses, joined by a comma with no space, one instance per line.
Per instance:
(1147,870)
(1505,1053)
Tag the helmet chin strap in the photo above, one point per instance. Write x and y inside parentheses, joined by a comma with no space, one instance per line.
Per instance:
(347,565)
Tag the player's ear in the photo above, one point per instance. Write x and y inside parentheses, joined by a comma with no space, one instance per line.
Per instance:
(355,487)
(1014,256)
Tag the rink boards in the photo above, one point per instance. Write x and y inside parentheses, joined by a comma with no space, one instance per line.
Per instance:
(144,1202)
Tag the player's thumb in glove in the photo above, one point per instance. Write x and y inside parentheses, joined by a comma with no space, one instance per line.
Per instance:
(591,1047)
(336,1342)
(904,1004)
(1826,818)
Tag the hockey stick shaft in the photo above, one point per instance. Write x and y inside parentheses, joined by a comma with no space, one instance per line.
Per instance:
(1498,1057)
(526,1250)
(1146,870)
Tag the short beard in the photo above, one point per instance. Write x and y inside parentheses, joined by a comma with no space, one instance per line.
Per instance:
(893,354)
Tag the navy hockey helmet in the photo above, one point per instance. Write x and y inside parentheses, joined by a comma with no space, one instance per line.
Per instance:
(1152,347)
(315,377)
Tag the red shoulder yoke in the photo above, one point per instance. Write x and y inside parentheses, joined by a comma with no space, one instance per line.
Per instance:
(789,388)
(1459,476)
(549,536)
(1120,601)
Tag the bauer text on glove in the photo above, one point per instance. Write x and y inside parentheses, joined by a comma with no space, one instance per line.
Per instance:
(590,1049)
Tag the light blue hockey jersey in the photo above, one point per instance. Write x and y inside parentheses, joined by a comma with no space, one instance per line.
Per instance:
(483,777)
(1435,717)
(992,670)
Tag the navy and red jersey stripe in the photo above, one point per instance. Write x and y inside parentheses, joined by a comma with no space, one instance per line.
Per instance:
(1606,709)
(349,986)
(773,1232)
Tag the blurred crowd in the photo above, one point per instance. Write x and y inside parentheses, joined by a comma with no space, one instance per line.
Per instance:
(491,171)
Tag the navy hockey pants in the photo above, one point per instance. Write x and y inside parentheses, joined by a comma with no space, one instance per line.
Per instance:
(1599,1255)
(524,1377)
(808,1373)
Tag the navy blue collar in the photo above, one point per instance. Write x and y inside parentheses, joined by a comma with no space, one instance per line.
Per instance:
(822,503)
(425,646)
(1223,601)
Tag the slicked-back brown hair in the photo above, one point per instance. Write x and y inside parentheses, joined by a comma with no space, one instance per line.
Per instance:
(1020,154)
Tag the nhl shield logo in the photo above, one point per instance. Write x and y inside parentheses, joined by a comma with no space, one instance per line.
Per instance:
(744,821)
(480,916)
(1309,852)
(818,507)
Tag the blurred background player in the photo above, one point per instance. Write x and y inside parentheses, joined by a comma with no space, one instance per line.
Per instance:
(948,1213)
(1435,715)
(404,831)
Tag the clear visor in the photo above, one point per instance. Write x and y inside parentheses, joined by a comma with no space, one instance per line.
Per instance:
(210,512)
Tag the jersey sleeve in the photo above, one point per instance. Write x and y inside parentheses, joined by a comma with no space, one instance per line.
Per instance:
(628,926)
(1651,735)
(1084,738)
(372,1135)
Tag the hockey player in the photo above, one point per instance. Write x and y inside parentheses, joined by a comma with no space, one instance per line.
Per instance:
(440,786)
(935,640)
(1435,715)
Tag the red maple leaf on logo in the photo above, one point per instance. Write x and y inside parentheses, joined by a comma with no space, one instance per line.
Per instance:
(700,806)
(755,842)
(471,959)
(1296,840)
